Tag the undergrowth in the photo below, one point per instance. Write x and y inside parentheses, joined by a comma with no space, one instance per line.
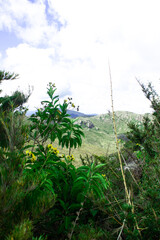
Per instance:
(43,195)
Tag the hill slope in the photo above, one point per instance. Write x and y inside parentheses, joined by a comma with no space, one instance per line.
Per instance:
(99,135)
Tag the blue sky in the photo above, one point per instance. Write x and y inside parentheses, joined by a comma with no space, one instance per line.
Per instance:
(69,42)
(7,40)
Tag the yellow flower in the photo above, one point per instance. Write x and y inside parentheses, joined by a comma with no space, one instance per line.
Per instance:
(55,151)
(68,157)
(72,158)
(73,105)
(49,146)
(104,175)
(33,158)
(52,149)
(29,153)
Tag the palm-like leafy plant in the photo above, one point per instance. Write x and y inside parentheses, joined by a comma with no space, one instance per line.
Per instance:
(72,135)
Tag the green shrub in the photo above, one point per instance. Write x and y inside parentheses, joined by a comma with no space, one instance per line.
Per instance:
(43,195)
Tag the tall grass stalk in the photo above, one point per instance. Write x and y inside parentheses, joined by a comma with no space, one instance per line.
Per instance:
(119,236)
(127,194)
(117,144)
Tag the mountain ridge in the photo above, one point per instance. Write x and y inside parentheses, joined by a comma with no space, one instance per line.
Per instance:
(72,113)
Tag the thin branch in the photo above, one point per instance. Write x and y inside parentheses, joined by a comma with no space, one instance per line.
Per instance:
(117,144)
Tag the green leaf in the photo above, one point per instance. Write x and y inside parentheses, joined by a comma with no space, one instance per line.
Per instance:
(100,178)
(57,96)
(67,222)
(81,178)
(62,203)
(92,166)
(93,212)
(80,197)
(45,102)
(66,190)
(49,188)
(67,144)
(40,147)
(82,168)
(98,192)
(77,187)
(99,166)
(71,142)
(88,173)
(62,164)
(26,147)
(75,206)
(49,182)
(35,134)
(75,144)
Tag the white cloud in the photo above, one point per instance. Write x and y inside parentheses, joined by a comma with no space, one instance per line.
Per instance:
(35,67)
(76,56)
(28,20)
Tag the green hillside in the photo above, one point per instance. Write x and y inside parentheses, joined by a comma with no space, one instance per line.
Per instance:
(99,135)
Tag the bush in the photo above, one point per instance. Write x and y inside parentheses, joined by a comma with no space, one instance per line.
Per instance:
(42,193)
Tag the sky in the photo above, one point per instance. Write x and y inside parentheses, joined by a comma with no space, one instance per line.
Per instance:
(70,42)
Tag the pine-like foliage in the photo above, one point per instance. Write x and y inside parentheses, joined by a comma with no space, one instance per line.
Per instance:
(146,133)
(12,115)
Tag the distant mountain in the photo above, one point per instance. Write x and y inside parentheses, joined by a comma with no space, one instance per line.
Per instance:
(29,113)
(73,114)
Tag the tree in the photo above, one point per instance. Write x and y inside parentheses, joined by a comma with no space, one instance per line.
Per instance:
(17,99)
(146,133)
(145,144)
(11,115)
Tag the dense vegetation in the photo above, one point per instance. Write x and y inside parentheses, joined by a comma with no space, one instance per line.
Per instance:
(43,195)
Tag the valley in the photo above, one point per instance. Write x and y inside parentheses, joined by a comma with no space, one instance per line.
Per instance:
(99,134)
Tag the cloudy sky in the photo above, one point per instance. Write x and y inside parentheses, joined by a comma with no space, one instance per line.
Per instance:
(69,43)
